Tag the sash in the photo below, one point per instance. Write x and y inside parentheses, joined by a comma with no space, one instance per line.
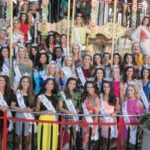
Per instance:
(77,36)
(81,75)
(114,130)
(43,75)
(5,70)
(133,129)
(147,32)
(70,106)
(67,72)
(90,120)
(47,104)
(3,103)
(21,104)
(17,72)
(143,97)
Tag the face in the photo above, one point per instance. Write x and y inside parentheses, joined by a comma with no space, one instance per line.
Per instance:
(75,49)
(16,24)
(106,88)
(23,17)
(116,73)
(146,59)
(87,60)
(135,48)
(51,39)
(72,85)
(25,83)
(25,7)
(69,61)
(52,69)
(22,52)
(5,53)
(63,39)
(57,38)
(2,82)
(78,20)
(2,34)
(145,73)
(129,73)
(90,89)
(97,59)
(129,59)
(33,51)
(58,52)
(43,59)
(116,59)
(49,86)
(146,21)
(99,74)
(106,58)
(130,92)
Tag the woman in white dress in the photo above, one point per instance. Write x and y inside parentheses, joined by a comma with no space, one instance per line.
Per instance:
(142,35)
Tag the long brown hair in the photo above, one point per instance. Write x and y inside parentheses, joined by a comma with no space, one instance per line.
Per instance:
(30,90)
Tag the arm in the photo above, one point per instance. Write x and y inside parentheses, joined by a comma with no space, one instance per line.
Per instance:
(61,109)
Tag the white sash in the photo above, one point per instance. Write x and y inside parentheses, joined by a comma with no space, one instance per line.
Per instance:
(81,75)
(3,103)
(143,97)
(70,106)
(147,32)
(21,104)
(47,104)
(43,75)
(114,130)
(5,70)
(90,120)
(17,72)
(133,129)
(77,36)
(67,72)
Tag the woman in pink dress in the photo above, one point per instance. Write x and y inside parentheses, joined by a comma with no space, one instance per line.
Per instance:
(142,36)
(131,106)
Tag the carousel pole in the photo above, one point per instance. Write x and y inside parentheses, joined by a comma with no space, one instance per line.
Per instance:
(11,32)
(68,26)
(73,16)
(114,28)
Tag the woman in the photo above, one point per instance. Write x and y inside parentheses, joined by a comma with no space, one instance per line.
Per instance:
(50,43)
(128,59)
(18,36)
(22,65)
(25,103)
(97,60)
(84,72)
(24,25)
(67,70)
(3,40)
(118,86)
(48,99)
(117,60)
(99,77)
(145,76)
(76,53)
(33,54)
(70,94)
(131,106)
(91,105)
(63,43)
(40,69)
(4,61)
(142,36)
(109,105)
(6,96)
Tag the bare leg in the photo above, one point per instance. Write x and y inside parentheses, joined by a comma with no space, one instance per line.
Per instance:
(28,142)
(19,142)
(0,142)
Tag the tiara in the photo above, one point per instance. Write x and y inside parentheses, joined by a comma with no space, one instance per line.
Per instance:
(90,79)
(108,79)
(26,74)
(34,45)
(146,66)
(79,15)
(42,51)
(114,67)
(129,65)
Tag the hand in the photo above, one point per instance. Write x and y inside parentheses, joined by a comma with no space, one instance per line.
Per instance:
(4,108)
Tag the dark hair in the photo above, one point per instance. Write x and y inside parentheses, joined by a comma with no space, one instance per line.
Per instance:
(2,57)
(106,53)
(47,40)
(96,54)
(7,90)
(144,19)
(27,19)
(143,71)
(96,72)
(38,64)
(124,59)
(88,56)
(125,71)
(67,92)
(112,98)
(120,58)
(85,93)
(30,90)
(54,52)
(43,89)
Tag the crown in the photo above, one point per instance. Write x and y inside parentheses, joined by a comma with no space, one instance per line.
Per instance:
(26,74)
(42,51)
(108,79)
(90,79)
(146,66)
(114,67)
(79,15)
(129,65)
(34,45)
